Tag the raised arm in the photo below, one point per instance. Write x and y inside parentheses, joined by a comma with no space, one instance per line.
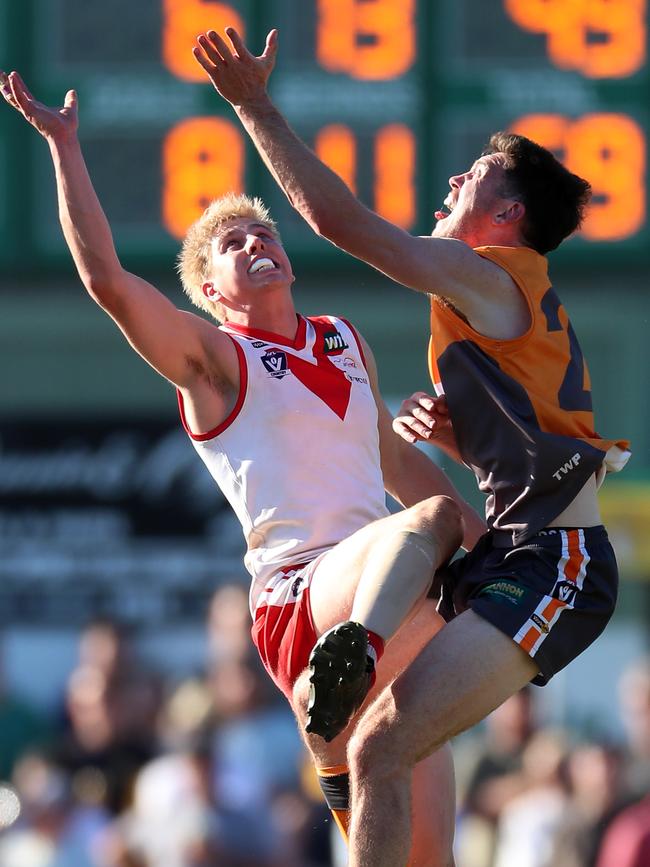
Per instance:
(175,343)
(427,264)
(409,475)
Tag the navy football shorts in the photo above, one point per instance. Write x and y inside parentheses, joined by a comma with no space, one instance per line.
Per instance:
(553,594)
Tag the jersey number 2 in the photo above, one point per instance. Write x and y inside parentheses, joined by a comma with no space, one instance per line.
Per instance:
(572,396)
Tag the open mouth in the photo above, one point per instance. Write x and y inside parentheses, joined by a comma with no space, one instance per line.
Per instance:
(262,264)
(445,210)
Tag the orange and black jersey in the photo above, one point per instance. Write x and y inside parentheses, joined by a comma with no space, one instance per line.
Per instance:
(521,409)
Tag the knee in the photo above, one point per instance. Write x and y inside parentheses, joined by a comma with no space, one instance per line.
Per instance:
(439,518)
(374,752)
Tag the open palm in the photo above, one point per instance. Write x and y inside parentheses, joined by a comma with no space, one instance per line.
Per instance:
(235,73)
(50,122)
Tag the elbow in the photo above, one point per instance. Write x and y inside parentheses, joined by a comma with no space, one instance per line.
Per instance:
(333,222)
(317,218)
(326,226)
(323,217)
(103,288)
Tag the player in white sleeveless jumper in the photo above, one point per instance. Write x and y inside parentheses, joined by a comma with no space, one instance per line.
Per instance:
(286,413)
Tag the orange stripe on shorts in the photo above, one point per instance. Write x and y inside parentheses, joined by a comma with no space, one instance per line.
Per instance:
(549,612)
(572,568)
(529,639)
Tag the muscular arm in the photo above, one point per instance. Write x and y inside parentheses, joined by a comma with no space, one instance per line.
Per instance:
(409,475)
(177,344)
(164,336)
(426,264)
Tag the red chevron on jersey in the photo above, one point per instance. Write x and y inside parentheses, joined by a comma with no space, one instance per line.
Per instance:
(323,379)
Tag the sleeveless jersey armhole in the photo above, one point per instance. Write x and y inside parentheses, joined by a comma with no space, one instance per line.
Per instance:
(232,415)
(520,282)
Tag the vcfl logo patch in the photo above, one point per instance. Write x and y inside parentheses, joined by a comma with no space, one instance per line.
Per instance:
(275,361)
(566,468)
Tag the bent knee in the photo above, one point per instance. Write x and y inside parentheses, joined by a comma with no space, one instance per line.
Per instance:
(379,744)
(374,752)
(438,517)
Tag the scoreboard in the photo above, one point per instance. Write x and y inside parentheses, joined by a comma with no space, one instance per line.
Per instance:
(395,95)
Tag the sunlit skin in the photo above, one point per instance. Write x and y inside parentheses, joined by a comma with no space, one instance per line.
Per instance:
(475,202)
(428,702)
(247,291)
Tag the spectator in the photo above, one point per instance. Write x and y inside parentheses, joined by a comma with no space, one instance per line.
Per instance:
(53,829)
(229,622)
(257,752)
(594,775)
(134,691)
(634,693)
(175,822)
(529,821)
(489,770)
(627,840)
(112,705)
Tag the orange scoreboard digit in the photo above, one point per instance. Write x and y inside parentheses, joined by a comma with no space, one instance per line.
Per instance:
(572,76)
(371,42)
(598,38)
(394,95)
(610,150)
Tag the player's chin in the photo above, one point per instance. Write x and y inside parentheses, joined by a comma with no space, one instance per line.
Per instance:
(442,228)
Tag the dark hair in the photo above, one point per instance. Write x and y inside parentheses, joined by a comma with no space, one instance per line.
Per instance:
(554,198)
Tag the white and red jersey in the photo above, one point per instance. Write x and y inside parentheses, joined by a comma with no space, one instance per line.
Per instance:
(298,457)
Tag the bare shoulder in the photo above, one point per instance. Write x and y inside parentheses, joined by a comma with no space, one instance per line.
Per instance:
(216,361)
(213,388)
(486,295)
(457,270)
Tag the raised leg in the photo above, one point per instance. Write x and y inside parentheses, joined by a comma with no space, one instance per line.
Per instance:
(466,671)
(379,574)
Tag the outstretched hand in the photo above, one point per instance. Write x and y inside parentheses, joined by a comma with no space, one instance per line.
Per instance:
(52,123)
(236,74)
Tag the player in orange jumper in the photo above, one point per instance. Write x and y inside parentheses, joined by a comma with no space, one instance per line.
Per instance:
(540,586)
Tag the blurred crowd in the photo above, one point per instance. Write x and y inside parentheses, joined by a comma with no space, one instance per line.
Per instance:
(137,770)
(140,771)
(531,795)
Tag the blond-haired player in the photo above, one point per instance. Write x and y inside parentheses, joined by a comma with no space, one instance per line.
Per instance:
(285,412)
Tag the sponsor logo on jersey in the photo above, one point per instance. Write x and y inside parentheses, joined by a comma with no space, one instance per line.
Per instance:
(275,361)
(505,591)
(542,625)
(258,344)
(333,342)
(349,364)
(565,591)
(566,467)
